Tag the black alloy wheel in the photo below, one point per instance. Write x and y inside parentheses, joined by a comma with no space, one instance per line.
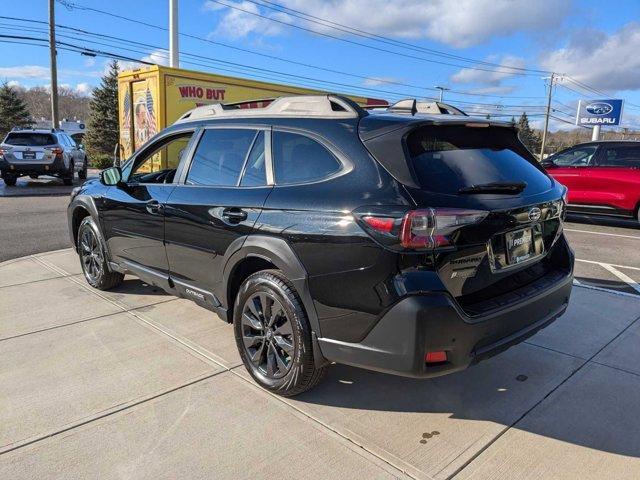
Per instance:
(91,256)
(267,335)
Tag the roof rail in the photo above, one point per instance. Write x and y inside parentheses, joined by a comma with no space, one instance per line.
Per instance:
(316,106)
(413,106)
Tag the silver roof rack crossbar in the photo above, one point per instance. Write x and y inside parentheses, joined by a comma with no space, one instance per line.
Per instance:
(413,106)
(316,106)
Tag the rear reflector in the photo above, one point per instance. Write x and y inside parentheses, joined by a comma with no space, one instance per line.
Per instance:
(436,357)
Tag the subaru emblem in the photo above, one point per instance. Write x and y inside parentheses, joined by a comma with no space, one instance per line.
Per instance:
(534,214)
(599,108)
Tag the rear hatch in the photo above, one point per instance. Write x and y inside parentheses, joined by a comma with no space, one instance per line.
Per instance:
(487,216)
(29,147)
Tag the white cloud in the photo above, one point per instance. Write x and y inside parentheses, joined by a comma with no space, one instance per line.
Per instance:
(460,24)
(83,88)
(377,81)
(494,90)
(606,62)
(13,83)
(25,71)
(159,57)
(236,23)
(492,78)
(89,62)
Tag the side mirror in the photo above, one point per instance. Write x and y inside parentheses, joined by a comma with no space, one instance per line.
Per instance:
(81,146)
(111,176)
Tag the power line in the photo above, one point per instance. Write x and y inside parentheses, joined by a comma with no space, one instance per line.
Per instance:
(376,37)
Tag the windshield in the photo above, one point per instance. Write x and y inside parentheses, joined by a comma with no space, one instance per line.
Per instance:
(29,139)
(576,157)
(448,159)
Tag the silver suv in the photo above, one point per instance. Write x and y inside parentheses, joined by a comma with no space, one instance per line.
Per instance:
(41,152)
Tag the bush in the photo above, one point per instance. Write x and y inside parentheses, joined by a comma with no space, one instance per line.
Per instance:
(101,161)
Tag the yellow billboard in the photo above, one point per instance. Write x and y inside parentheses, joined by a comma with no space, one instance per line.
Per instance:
(154,97)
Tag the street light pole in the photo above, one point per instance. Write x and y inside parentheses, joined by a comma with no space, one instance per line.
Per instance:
(442,89)
(546,117)
(174,54)
(54,66)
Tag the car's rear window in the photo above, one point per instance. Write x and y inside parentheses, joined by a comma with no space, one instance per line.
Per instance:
(449,158)
(29,139)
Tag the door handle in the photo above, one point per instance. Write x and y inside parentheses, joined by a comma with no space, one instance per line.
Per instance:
(234,215)
(154,207)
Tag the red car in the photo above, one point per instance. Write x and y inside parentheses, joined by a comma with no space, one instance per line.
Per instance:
(602,177)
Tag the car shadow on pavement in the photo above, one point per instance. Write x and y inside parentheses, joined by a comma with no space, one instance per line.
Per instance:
(589,405)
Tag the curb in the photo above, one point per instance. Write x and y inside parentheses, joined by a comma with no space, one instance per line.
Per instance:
(33,255)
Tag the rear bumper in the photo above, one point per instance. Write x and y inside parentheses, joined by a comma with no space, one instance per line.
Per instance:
(433,322)
(36,168)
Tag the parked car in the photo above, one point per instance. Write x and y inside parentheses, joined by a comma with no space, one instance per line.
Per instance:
(41,152)
(399,242)
(602,177)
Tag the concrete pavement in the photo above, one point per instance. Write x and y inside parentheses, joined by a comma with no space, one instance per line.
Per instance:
(134,383)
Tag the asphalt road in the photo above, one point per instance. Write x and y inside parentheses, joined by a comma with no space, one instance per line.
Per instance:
(32,225)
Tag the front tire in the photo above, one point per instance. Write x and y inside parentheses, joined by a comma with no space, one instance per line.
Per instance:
(93,259)
(273,335)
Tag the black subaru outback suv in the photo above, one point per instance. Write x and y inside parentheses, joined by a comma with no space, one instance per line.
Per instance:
(395,241)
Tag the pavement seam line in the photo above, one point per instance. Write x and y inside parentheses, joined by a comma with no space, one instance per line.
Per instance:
(34,281)
(54,327)
(606,290)
(187,344)
(551,392)
(106,413)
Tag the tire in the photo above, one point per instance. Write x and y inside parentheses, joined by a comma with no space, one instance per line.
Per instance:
(82,174)
(9,179)
(68,178)
(280,361)
(93,259)
(33,177)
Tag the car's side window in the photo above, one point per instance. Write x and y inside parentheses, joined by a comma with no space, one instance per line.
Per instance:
(62,139)
(622,156)
(219,157)
(254,174)
(577,157)
(158,163)
(300,159)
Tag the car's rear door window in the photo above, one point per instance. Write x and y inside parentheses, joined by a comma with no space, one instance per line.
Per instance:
(255,173)
(620,156)
(300,159)
(219,156)
(29,139)
(448,159)
(576,157)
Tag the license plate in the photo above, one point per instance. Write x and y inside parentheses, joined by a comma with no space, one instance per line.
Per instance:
(520,246)
(29,155)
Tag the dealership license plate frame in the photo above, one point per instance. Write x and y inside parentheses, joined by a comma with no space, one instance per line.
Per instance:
(28,155)
(520,253)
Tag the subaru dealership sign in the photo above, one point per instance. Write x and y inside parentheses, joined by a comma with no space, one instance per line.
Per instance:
(599,112)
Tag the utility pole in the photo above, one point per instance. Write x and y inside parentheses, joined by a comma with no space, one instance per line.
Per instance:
(442,89)
(546,117)
(174,51)
(54,66)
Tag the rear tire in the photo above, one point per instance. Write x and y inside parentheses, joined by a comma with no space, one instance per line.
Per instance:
(68,178)
(82,174)
(273,335)
(9,179)
(93,259)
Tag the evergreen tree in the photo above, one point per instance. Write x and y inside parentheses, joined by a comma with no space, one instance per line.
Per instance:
(102,128)
(13,110)
(527,135)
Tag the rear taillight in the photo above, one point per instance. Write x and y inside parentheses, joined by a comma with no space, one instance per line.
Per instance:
(424,229)
(3,151)
(57,151)
(433,227)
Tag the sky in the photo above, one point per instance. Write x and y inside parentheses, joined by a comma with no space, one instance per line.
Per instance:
(494,55)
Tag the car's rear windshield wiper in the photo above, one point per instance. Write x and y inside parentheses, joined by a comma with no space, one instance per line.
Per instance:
(505,188)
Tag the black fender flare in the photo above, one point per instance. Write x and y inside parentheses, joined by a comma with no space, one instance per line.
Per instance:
(87,203)
(278,252)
